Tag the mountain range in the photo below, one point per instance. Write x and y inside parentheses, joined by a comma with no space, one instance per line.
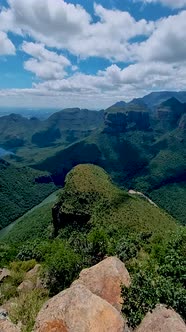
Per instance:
(117,178)
(140,144)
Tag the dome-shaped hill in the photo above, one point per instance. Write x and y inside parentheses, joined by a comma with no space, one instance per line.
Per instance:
(88,178)
(90,196)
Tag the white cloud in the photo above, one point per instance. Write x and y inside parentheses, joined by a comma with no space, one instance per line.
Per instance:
(47,65)
(58,24)
(45,70)
(168,3)
(41,53)
(156,63)
(6,46)
(167,43)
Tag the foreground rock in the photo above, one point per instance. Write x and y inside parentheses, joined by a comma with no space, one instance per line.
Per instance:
(162,320)
(78,310)
(105,279)
(7,326)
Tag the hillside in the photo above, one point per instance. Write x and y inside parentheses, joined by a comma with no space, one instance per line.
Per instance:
(138,152)
(62,127)
(155,98)
(91,219)
(21,189)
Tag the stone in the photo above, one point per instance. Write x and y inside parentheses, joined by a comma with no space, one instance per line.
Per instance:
(77,309)
(25,286)
(115,122)
(105,279)
(4,273)
(162,320)
(7,326)
(32,280)
(34,273)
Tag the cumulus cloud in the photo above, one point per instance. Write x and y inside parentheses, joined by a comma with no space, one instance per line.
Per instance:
(103,89)
(45,64)
(168,3)
(63,25)
(156,62)
(167,43)
(6,46)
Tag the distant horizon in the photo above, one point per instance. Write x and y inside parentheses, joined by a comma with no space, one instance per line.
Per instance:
(6,109)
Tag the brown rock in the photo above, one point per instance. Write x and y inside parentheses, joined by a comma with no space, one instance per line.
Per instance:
(32,280)
(7,326)
(25,286)
(105,279)
(34,273)
(4,273)
(78,310)
(162,320)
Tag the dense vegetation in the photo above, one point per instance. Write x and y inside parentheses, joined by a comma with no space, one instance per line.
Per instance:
(97,219)
(19,191)
(93,217)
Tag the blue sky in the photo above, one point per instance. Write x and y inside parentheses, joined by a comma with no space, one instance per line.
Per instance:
(56,53)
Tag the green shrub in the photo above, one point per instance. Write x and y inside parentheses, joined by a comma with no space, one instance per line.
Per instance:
(26,308)
(62,266)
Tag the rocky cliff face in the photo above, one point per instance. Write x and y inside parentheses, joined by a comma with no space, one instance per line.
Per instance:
(170,112)
(140,120)
(130,117)
(182,122)
(115,122)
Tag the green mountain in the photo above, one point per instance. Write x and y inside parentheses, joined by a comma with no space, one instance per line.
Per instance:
(64,127)
(138,151)
(155,98)
(21,188)
(93,218)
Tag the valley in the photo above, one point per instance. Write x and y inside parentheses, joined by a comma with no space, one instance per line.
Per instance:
(80,186)
(141,144)
(50,199)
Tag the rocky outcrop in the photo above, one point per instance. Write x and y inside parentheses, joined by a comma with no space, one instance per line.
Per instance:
(115,122)
(162,320)
(4,273)
(182,123)
(130,117)
(169,113)
(139,119)
(105,280)
(77,309)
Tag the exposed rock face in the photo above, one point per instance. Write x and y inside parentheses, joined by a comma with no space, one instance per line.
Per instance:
(182,123)
(77,309)
(127,118)
(8,326)
(162,320)
(105,279)
(115,122)
(140,120)
(169,113)
(4,273)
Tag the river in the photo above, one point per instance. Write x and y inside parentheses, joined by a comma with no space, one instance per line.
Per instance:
(51,198)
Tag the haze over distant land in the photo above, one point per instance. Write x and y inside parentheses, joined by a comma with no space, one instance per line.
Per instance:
(89,54)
